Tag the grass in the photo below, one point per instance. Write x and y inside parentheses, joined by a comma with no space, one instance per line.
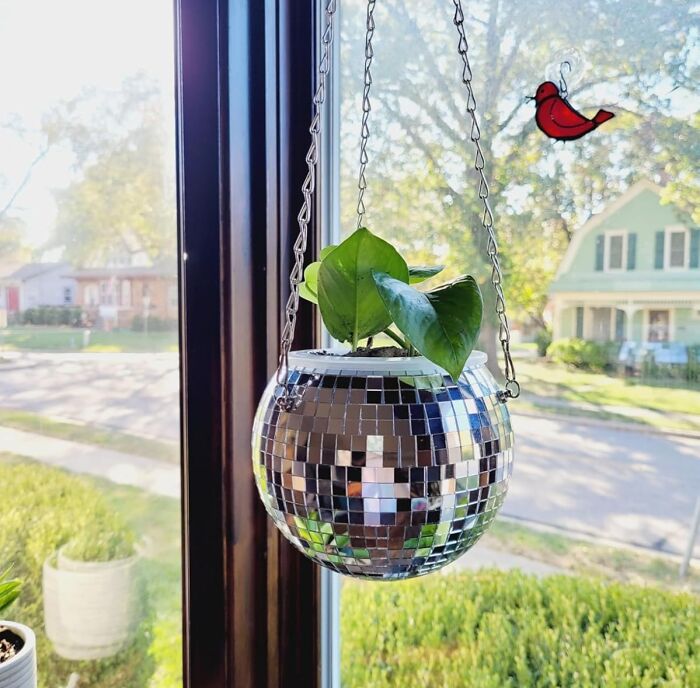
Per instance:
(85,434)
(156,522)
(588,559)
(38,338)
(607,396)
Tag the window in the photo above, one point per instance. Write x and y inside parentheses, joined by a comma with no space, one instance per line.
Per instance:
(659,327)
(616,244)
(580,314)
(90,517)
(677,248)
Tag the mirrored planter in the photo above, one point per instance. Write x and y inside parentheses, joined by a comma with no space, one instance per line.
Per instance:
(387,468)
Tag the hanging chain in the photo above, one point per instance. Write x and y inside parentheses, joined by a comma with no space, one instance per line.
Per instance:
(512,390)
(288,401)
(366,109)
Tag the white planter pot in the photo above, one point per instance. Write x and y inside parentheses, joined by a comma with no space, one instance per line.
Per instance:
(20,671)
(90,608)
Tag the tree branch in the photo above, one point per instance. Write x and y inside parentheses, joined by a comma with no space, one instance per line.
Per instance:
(25,180)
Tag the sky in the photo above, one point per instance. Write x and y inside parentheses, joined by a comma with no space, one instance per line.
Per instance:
(49,52)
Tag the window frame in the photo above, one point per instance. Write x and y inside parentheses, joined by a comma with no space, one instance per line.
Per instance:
(609,235)
(676,229)
(245,79)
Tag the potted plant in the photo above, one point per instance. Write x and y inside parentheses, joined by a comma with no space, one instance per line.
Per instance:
(91,594)
(17,642)
(390,458)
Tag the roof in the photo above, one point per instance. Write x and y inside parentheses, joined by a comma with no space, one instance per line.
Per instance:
(32,270)
(597,220)
(124,272)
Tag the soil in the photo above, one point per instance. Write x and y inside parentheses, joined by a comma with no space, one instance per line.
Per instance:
(380,352)
(10,644)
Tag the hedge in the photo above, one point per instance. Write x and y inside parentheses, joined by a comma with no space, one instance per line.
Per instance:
(42,508)
(582,354)
(501,630)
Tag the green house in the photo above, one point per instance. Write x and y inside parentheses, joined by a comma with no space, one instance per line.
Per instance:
(631,273)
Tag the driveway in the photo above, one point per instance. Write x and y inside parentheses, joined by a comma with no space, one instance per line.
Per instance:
(627,486)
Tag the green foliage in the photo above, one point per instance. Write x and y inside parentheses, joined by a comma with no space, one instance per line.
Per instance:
(442,324)
(53,315)
(42,510)
(508,630)
(105,541)
(9,590)
(348,300)
(543,339)
(363,285)
(155,324)
(580,353)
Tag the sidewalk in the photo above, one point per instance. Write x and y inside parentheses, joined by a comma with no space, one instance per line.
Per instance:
(152,476)
(483,557)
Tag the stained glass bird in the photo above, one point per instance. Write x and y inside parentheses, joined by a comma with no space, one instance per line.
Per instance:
(558,120)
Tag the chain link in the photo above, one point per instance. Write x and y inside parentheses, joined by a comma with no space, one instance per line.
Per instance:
(288,401)
(512,389)
(366,109)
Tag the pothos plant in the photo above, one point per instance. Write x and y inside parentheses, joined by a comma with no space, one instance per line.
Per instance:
(364,288)
(9,590)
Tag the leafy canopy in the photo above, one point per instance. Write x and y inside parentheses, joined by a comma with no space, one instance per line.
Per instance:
(363,285)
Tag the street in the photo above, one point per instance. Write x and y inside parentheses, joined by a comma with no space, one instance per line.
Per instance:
(627,486)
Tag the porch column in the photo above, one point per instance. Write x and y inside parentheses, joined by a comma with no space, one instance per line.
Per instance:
(630,311)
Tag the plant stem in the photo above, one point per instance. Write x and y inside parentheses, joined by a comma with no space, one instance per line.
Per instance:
(402,343)
(354,340)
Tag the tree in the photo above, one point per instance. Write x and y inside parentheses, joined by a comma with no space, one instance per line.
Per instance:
(124,194)
(422,190)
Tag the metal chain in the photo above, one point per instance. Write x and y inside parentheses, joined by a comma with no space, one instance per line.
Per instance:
(366,109)
(288,401)
(512,390)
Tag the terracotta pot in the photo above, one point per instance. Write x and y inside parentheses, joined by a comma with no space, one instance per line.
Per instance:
(387,468)
(20,671)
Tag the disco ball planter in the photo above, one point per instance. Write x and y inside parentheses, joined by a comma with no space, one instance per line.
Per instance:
(387,468)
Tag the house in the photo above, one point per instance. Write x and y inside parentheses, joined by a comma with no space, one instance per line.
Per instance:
(631,273)
(114,296)
(37,284)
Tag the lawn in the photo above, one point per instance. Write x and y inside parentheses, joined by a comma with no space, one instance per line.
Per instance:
(559,389)
(156,522)
(71,339)
(86,434)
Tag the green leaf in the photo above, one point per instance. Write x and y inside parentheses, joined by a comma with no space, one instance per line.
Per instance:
(9,590)
(347,296)
(308,289)
(442,324)
(420,273)
(326,250)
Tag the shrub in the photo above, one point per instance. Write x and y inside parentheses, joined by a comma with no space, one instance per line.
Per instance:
(52,315)
(582,354)
(508,630)
(543,339)
(42,509)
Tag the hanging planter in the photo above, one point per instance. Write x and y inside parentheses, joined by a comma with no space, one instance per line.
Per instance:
(385,462)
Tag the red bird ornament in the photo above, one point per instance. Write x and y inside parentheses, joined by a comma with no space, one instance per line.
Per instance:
(558,120)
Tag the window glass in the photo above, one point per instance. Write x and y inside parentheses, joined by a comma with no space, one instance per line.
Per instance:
(89,380)
(615,252)
(607,346)
(677,249)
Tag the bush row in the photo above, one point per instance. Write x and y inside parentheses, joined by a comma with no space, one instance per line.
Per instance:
(580,353)
(155,324)
(52,315)
(42,509)
(508,630)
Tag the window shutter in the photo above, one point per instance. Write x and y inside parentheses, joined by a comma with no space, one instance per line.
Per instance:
(659,250)
(631,251)
(599,252)
(694,248)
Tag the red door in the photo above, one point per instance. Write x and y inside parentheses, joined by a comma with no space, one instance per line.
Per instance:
(12,299)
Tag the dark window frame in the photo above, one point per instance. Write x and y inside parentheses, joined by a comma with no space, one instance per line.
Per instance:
(245,79)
